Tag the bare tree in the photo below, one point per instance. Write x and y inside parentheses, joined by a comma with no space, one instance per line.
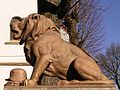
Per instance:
(110,63)
(86,15)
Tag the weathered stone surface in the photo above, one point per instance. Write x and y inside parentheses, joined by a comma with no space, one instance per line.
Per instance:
(46,51)
(67,87)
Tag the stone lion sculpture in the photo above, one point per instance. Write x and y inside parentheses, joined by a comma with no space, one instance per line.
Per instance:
(55,57)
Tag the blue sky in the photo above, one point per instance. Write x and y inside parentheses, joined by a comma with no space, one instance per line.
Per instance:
(111,22)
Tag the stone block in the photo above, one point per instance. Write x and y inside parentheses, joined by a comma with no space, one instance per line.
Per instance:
(67,87)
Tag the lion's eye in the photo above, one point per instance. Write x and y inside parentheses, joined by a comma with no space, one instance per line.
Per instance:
(35,17)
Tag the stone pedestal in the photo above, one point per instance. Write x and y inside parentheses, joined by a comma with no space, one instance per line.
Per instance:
(68,87)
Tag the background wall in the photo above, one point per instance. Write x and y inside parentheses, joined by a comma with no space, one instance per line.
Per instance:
(10,53)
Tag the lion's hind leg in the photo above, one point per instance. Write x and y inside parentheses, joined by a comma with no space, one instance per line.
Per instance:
(88,70)
(76,82)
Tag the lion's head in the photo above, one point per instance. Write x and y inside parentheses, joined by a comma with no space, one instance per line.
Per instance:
(18,24)
(36,25)
(33,25)
(16,27)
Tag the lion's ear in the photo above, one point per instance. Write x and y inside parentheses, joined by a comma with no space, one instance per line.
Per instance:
(38,28)
(42,25)
(27,30)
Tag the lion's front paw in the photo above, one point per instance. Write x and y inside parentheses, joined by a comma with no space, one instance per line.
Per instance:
(63,82)
(30,83)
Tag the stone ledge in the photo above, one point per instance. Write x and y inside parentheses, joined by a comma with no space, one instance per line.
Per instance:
(12,42)
(15,64)
(67,87)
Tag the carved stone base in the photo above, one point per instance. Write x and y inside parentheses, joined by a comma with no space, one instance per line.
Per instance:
(67,87)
